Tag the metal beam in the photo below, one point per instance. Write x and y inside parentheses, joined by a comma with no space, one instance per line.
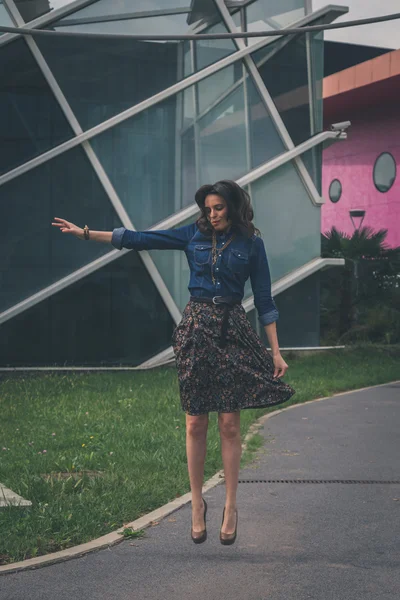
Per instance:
(169,222)
(163,95)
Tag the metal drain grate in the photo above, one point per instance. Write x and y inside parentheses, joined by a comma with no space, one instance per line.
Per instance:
(360,481)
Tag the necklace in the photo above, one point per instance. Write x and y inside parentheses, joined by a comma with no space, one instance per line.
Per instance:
(216,253)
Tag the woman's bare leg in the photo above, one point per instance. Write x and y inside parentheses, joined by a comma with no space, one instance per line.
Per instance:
(231,446)
(196,444)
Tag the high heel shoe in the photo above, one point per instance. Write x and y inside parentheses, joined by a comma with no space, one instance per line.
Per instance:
(228,538)
(200,536)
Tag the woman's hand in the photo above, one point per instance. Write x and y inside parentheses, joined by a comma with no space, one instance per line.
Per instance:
(67,227)
(280,365)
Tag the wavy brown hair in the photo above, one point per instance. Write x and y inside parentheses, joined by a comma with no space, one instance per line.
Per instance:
(240,211)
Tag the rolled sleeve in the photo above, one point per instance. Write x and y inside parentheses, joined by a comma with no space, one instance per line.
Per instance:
(153,239)
(269,317)
(117,236)
(261,284)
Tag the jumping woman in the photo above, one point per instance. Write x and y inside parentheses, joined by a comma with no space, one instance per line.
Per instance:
(222,364)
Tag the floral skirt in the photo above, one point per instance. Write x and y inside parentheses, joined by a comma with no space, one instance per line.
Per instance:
(223,379)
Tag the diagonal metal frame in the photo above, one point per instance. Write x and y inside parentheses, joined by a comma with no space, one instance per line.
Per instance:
(270,106)
(109,189)
(153,100)
(47,18)
(124,16)
(50,290)
(169,222)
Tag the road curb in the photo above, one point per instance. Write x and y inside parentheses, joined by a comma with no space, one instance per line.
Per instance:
(115,537)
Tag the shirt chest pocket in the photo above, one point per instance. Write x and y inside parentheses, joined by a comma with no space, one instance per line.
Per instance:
(202,254)
(238,262)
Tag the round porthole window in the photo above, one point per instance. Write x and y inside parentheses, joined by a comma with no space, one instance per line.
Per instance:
(335,190)
(384,172)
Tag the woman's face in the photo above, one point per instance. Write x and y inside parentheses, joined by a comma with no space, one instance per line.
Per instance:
(217,212)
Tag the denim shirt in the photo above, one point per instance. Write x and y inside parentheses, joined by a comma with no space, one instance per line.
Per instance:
(243,258)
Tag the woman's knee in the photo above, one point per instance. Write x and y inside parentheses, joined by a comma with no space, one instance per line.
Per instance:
(229,425)
(196,426)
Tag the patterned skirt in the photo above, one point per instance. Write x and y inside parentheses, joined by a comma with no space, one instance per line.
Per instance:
(223,379)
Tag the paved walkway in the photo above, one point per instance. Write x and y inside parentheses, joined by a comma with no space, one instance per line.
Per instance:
(296,541)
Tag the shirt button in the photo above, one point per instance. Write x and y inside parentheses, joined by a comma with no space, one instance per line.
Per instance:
(217,269)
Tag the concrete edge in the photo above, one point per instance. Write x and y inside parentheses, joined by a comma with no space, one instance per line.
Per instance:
(115,537)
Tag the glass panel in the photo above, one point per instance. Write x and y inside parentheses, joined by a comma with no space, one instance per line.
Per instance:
(31,9)
(101,78)
(265,141)
(210,51)
(5,18)
(237,19)
(312,159)
(222,140)
(114,315)
(283,68)
(211,89)
(188,171)
(34,254)
(289,222)
(265,15)
(31,121)
(174,269)
(298,328)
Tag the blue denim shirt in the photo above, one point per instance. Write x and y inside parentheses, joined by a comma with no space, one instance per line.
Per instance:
(243,258)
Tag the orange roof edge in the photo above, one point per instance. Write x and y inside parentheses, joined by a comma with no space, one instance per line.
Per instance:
(370,71)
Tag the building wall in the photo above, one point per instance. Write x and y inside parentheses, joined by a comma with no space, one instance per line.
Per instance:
(352,163)
(65,301)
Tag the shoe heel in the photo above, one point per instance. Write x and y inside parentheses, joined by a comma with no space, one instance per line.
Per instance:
(201,536)
(227,539)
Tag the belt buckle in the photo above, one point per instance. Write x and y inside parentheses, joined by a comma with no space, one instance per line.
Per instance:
(214,299)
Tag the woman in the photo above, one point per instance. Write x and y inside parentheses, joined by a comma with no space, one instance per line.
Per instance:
(222,364)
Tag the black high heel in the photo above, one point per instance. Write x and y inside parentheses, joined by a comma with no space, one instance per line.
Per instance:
(199,537)
(227,539)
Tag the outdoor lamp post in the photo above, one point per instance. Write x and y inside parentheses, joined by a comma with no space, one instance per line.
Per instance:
(356,213)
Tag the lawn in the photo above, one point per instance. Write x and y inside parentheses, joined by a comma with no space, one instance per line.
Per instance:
(94,451)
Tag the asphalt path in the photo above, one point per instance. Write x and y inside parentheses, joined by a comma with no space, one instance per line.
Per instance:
(322,541)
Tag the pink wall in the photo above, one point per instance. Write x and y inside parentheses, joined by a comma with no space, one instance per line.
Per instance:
(352,162)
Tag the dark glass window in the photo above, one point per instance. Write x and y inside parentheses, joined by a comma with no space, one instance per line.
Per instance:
(33,253)
(335,190)
(31,121)
(113,316)
(384,173)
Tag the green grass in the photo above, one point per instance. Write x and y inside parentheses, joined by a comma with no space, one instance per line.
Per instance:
(115,443)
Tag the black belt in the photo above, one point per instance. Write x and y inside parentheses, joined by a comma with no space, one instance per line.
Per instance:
(228,302)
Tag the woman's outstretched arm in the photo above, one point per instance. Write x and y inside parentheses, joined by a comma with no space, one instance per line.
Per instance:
(68,227)
(153,239)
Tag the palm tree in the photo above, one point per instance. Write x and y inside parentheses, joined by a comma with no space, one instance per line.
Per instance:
(371,272)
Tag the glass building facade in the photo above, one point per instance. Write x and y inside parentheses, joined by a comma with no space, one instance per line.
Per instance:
(114,131)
